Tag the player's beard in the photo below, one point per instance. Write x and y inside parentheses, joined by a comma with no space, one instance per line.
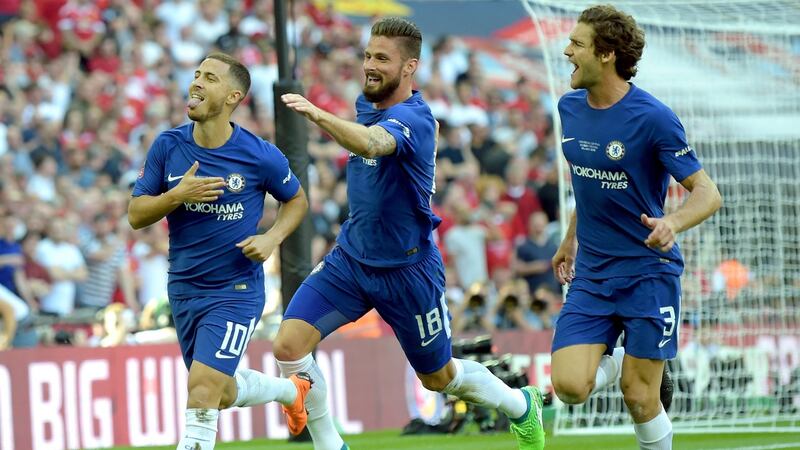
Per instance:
(382,91)
(212,109)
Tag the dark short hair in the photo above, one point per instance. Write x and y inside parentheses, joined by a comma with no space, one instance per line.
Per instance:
(236,69)
(616,31)
(406,31)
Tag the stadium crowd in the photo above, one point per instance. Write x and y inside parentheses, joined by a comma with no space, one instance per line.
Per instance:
(85,87)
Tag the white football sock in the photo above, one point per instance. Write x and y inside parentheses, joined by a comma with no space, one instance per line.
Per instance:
(201,429)
(474,383)
(655,434)
(320,423)
(609,370)
(255,388)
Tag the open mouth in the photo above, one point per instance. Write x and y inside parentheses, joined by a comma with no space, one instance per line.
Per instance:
(195,100)
(575,69)
(373,80)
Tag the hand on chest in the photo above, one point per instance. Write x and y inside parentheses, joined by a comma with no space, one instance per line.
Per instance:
(237,177)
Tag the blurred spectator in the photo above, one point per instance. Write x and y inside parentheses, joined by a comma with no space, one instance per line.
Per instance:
(259,21)
(118,324)
(464,111)
(150,252)
(548,195)
(178,16)
(81,26)
(497,218)
(533,255)
(17,303)
(730,277)
(473,314)
(518,193)
(12,265)
(448,62)
(37,276)
(466,247)
(65,265)
(492,157)
(156,324)
(42,183)
(211,24)
(233,38)
(546,303)
(452,155)
(511,311)
(106,59)
(107,264)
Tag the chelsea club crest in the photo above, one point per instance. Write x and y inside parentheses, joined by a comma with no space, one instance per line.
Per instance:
(234,182)
(615,150)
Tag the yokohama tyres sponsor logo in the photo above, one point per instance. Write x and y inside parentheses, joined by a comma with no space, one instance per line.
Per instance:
(597,174)
(227,211)
(609,179)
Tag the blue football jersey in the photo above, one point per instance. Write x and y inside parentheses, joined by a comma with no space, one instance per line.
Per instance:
(391,222)
(620,162)
(203,257)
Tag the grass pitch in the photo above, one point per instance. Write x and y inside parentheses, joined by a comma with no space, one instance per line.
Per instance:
(391,440)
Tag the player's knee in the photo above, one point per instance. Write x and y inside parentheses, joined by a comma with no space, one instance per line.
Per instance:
(205,393)
(572,391)
(288,349)
(640,399)
(229,394)
(435,382)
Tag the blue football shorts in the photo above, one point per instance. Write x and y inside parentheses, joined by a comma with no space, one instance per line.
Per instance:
(215,331)
(410,299)
(647,308)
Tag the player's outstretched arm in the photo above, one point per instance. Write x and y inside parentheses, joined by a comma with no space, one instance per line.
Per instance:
(564,259)
(369,142)
(704,200)
(260,247)
(146,210)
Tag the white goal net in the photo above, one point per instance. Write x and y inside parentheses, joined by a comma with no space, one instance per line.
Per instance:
(731,71)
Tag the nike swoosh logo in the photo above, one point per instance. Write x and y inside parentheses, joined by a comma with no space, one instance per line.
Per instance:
(170,178)
(663,342)
(426,343)
(220,355)
(564,140)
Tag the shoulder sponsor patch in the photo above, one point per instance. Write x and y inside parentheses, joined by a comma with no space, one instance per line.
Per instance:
(406,130)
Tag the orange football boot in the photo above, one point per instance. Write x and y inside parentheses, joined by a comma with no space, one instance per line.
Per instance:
(296,415)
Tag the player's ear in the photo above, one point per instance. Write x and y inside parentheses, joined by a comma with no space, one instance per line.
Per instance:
(234,97)
(410,66)
(609,57)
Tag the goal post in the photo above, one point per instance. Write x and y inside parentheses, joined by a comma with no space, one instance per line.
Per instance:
(731,72)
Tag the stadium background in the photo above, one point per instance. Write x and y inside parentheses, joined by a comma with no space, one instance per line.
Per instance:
(85,86)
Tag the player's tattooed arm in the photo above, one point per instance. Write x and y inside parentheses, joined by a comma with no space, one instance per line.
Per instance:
(369,142)
(381,142)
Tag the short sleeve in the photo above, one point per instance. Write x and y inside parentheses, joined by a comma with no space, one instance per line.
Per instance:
(151,176)
(408,129)
(674,152)
(279,181)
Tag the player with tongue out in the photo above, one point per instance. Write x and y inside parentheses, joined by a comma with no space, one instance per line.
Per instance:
(216,276)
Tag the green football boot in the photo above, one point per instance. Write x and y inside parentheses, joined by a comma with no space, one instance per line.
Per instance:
(529,429)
